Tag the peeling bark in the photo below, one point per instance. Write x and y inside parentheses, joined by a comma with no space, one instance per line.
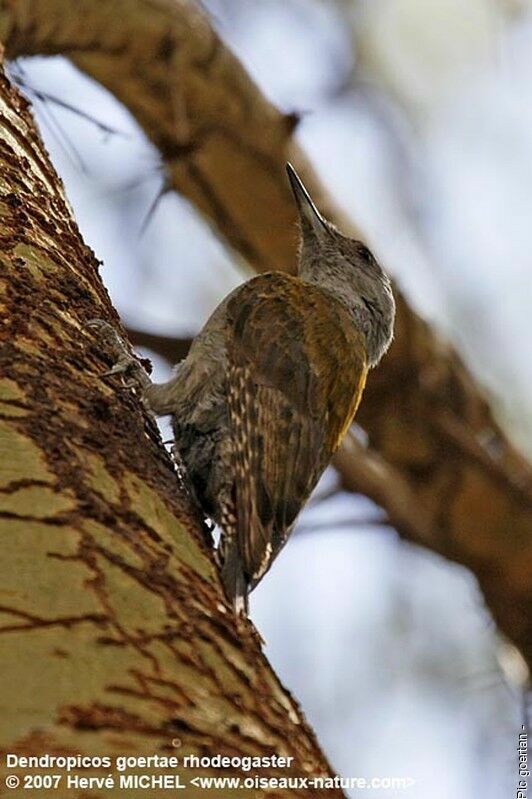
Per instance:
(224,146)
(115,637)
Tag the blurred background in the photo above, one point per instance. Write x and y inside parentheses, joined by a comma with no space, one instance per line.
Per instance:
(417,115)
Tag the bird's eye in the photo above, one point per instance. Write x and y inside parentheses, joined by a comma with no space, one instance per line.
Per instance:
(365,254)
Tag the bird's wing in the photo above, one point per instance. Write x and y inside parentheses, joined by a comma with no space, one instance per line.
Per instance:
(296,371)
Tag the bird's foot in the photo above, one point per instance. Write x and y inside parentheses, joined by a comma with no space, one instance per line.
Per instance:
(125,363)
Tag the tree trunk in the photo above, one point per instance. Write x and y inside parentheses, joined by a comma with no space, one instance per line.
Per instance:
(443,469)
(115,635)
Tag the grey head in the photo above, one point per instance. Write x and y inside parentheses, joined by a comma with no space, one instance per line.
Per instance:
(347,269)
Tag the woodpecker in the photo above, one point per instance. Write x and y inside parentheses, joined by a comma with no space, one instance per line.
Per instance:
(269,389)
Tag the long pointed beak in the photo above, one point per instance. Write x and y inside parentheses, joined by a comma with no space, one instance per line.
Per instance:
(307,210)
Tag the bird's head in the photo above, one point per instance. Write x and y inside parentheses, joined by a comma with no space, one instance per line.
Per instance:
(347,268)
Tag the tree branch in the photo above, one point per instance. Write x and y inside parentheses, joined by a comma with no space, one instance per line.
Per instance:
(170,348)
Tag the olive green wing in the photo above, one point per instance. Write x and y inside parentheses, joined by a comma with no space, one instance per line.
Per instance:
(296,371)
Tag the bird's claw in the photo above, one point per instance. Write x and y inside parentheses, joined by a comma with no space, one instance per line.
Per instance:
(110,337)
(125,362)
(121,367)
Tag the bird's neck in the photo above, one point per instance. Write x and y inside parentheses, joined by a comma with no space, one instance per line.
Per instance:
(335,282)
(368,316)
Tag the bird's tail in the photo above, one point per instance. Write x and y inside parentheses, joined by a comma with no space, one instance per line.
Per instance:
(233,578)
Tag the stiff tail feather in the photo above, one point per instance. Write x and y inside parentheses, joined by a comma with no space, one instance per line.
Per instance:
(235,584)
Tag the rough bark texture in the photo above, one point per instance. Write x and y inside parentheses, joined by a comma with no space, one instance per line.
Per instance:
(224,147)
(115,637)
